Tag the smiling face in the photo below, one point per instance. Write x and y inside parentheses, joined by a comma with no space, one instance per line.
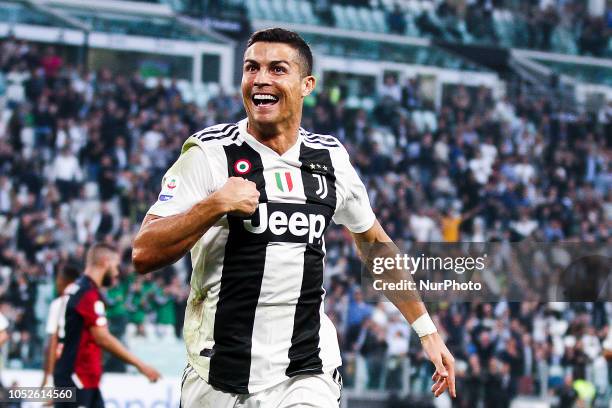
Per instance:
(274,85)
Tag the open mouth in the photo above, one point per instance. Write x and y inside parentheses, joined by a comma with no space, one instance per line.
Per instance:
(261,99)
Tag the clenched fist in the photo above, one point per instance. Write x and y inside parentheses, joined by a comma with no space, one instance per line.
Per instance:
(240,196)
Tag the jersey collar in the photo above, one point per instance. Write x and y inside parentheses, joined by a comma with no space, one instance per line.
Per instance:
(265,150)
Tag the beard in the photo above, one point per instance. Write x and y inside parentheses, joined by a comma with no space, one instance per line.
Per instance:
(107,280)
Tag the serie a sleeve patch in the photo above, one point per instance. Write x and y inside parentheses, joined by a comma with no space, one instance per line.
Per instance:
(170,185)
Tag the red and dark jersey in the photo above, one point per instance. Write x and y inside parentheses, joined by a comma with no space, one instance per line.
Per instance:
(81,359)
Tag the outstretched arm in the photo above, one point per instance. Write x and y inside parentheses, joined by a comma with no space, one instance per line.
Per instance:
(108,342)
(413,309)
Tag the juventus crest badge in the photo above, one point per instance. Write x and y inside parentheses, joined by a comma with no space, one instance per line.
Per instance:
(319,172)
(322,190)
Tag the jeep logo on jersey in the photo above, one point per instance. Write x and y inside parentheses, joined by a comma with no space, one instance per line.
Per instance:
(242,166)
(292,226)
(283,181)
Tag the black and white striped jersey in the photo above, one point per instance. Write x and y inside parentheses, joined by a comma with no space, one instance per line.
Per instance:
(255,312)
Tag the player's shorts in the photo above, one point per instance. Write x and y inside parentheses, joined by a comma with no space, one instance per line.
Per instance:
(309,390)
(85,397)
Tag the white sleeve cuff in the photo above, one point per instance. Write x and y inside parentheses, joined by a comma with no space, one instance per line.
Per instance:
(364,226)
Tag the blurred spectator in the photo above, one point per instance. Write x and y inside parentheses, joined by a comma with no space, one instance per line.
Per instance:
(358,312)
(372,344)
(391,89)
(51,63)
(567,394)
(323,9)
(410,96)
(396,20)
(594,37)
(67,174)
(165,298)
(117,315)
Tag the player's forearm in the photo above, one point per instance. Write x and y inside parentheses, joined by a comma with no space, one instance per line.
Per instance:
(49,362)
(163,241)
(52,353)
(111,344)
(46,369)
(3,337)
(411,310)
(375,243)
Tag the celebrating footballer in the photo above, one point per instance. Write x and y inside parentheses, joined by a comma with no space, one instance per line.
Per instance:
(252,201)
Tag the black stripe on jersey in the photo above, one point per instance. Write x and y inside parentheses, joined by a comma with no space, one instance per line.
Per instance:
(241,277)
(317,139)
(318,176)
(322,143)
(322,137)
(319,182)
(214,134)
(328,141)
(304,350)
(233,135)
(209,131)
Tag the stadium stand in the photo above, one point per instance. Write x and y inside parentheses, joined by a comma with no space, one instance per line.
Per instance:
(561,26)
(82,153)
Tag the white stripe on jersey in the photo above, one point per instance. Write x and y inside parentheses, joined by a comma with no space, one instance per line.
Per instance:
(273,325)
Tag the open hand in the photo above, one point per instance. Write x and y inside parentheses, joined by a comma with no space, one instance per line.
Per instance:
(444,376)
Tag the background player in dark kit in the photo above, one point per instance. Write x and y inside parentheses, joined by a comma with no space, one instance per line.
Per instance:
(85,333)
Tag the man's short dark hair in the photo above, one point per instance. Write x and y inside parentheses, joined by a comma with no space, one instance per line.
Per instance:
(280,35)
(97,251)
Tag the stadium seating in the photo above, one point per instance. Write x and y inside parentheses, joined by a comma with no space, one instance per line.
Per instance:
(510,26)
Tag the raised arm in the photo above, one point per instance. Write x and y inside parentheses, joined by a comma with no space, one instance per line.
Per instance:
(412,308)
(162,241)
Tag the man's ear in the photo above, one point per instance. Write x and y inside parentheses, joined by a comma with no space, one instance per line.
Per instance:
(308,85)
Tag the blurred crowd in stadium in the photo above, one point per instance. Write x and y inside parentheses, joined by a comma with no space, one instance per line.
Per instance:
(544,25)
(82,155)
(532,23)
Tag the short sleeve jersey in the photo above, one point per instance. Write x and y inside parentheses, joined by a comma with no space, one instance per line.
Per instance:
(255,312)
(4,323)
(53,318)
(80,362)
